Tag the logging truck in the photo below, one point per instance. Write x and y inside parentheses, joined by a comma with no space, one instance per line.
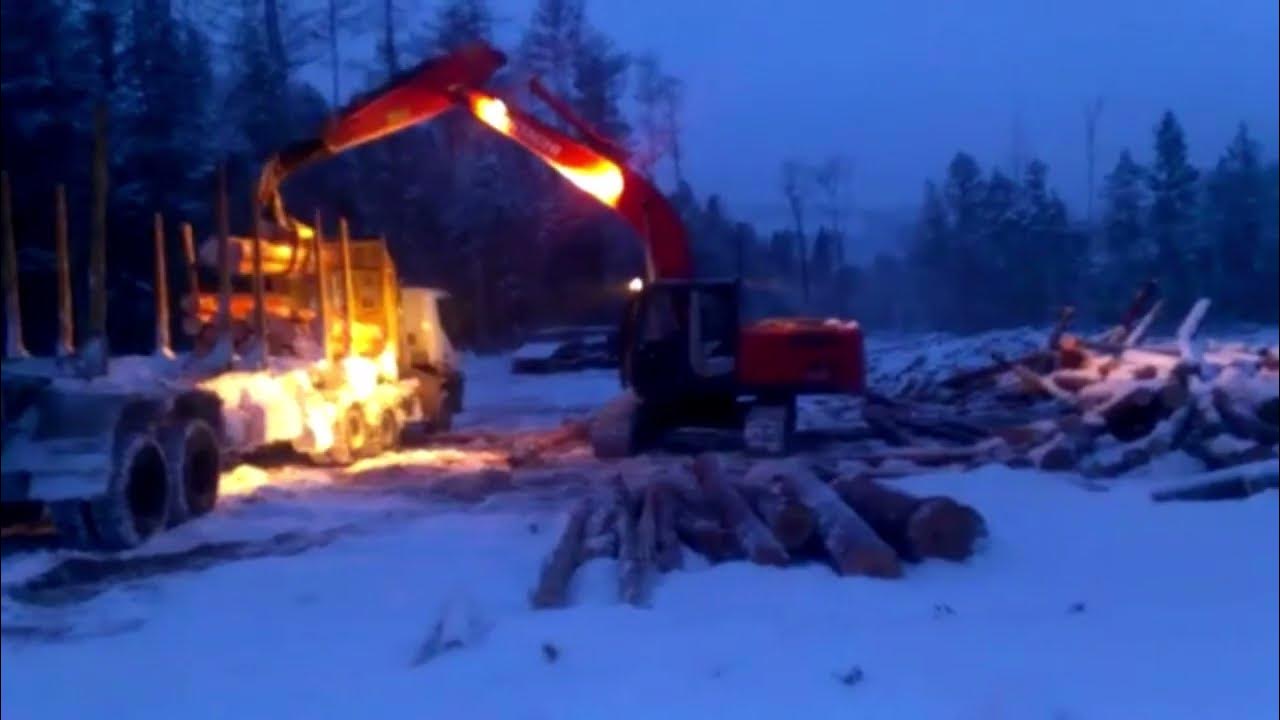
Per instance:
(326,353)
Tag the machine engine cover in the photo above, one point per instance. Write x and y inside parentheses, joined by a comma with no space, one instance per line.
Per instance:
(802,355)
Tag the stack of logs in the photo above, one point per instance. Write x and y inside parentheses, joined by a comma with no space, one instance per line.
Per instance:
(1101,406)
(773,513)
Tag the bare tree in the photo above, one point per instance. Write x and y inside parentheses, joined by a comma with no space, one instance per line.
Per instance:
(1091,113)
(658,96)
(795,188)
(339,15)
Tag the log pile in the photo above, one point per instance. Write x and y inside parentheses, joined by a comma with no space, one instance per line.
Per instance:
(1101,406)
(773,513)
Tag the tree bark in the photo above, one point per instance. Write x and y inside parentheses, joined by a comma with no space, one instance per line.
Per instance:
(915,527)
(558,569)
(760,546)
(854,547)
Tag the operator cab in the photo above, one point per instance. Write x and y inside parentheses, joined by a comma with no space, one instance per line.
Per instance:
(671,356)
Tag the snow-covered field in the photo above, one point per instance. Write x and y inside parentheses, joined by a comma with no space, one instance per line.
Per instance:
(310,594)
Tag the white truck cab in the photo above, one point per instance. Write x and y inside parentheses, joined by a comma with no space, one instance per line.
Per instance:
(426,345)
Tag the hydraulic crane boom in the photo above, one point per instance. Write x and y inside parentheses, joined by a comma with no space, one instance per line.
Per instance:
(419,94)
(595,167)
(437,85)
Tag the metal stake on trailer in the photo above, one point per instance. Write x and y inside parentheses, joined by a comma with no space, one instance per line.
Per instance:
(66,319)
(164,344)
(14,347)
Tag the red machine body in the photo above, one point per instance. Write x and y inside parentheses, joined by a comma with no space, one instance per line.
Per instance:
(801,355)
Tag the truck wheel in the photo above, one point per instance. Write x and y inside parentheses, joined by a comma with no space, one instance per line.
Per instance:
(350,437)
(386,436)
(194,461)
(135,507)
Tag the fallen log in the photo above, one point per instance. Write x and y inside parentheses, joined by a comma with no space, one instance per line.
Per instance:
(553,582)
(1229,484)
(661,499)
(853,546)
(1134,414)
(1038,358)
(635,547)
(915,527)
(788,520)
(1241,422)
(753,537)
(601,538)
(705,536)
(1187,331)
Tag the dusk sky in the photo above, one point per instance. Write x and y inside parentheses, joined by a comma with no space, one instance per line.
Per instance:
(898,87)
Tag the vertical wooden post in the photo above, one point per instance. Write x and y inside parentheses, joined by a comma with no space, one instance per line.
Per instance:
(224,259)
(14,346)
(62,255)
(390,304)
(259,303)
(193,276)
(164,344)
(348,288)
(322,286)
(97,350)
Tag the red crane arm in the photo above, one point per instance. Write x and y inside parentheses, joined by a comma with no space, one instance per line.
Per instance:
(416,95)
(603,175)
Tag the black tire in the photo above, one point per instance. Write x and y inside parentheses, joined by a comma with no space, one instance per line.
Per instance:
(350,437)
(134,508)
(194,459)
(386,435)
(137,506)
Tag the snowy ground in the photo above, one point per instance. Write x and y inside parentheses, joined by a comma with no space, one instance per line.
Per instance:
(309,594)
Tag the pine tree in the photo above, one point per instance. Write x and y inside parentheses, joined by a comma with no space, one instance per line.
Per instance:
(599,81)
(553,41)
(931,256)
(1173,201)
(964,191)
(1127,253)
(460,22)
(658,101)
(1235,199)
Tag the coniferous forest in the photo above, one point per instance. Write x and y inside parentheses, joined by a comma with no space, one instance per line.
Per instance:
(189,85)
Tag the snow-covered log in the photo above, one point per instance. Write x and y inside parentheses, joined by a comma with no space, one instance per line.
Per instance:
(1188,329)
(635,548)
(660,501)
(704,534)
(600,537)
(557,570)
(915,527)
(1228,484)
(1241,422)
(789,520)
(854,547)
(753,537)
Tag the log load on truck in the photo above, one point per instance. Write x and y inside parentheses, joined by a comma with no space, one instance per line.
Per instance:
(325,352)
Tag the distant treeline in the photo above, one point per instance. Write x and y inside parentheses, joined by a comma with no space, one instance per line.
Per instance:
(188,85)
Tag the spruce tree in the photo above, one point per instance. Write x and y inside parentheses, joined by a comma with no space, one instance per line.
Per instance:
(1172,181)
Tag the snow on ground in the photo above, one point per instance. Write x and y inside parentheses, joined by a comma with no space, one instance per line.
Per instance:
(1083,605)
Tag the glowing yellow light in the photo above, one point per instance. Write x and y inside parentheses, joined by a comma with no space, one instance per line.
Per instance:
(603,181)
(304,231)
(636,285)
(493,112)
